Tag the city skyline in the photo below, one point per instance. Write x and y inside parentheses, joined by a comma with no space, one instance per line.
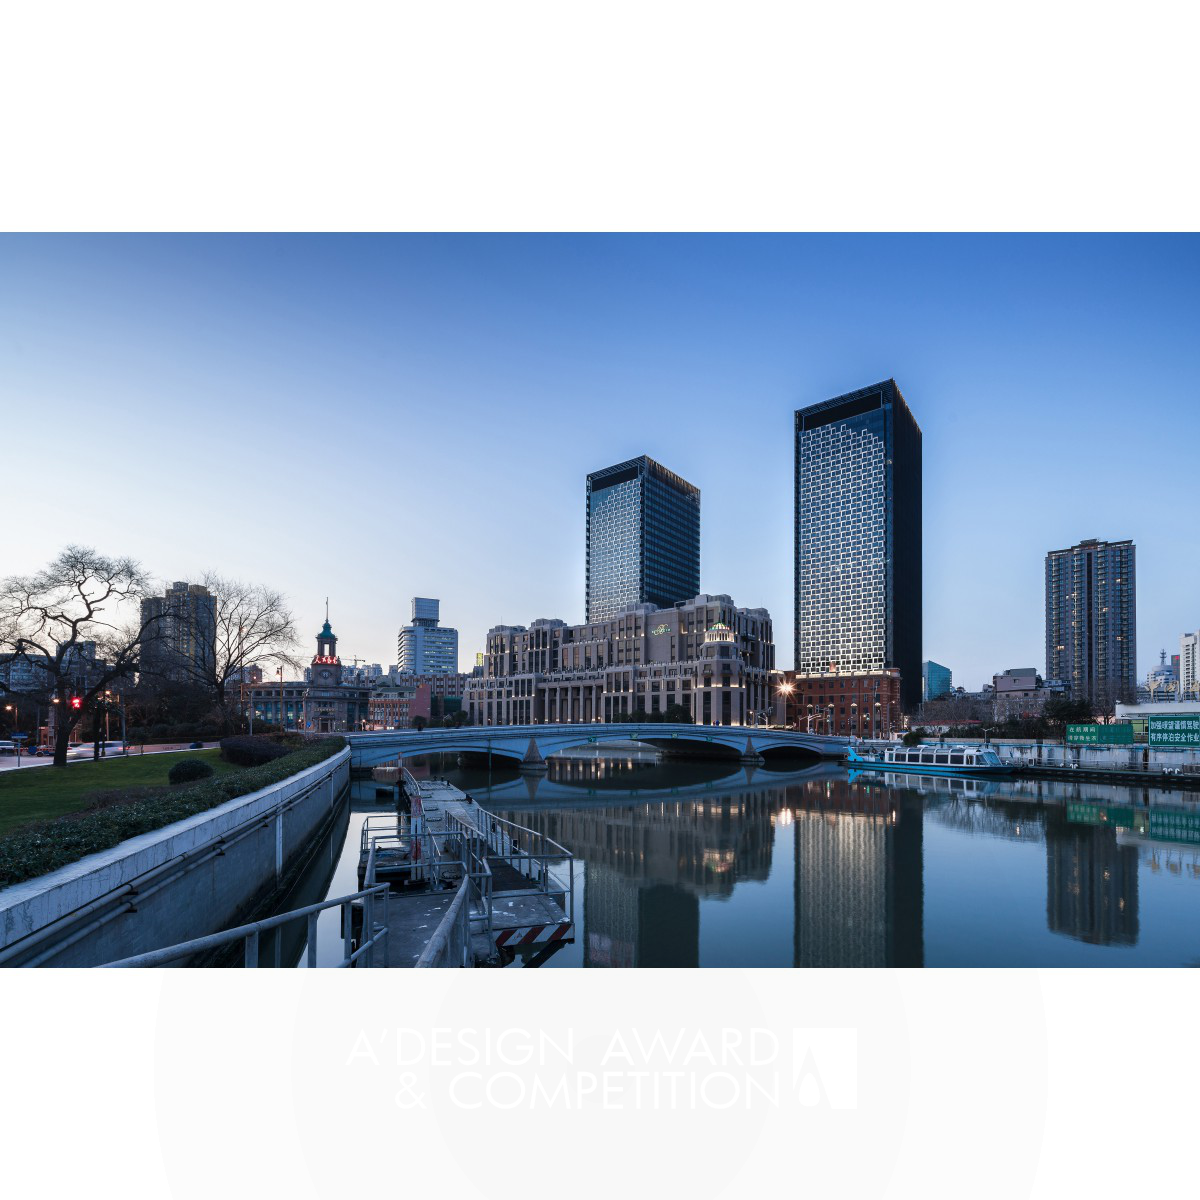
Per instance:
(239,359)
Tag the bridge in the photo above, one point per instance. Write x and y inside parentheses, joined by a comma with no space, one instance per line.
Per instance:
(530,745)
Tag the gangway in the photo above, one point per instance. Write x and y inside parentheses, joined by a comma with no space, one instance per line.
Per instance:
(501,885)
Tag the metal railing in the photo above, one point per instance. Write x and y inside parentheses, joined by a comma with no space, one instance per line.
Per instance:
(249,935)
(450,945)
(532,854)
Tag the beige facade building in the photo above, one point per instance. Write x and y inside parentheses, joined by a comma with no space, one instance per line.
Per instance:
(704,655)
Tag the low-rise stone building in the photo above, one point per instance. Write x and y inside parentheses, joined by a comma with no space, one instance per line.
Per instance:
(704,655)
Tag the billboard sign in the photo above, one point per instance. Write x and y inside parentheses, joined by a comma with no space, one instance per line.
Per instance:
(1120,734)
(1180,732)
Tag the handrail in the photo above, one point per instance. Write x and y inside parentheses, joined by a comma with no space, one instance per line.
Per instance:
(455,920)
(249,935)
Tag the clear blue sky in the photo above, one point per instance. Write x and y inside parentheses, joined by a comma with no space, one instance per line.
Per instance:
(377,417)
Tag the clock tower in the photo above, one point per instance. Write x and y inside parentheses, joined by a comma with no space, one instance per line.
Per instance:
(326,666)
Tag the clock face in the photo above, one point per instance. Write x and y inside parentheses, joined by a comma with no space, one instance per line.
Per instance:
(327,675)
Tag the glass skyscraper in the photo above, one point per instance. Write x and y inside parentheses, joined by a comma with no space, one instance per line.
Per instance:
(1091,620)
(425,647)
(643,538)
(858,537)
(938,680)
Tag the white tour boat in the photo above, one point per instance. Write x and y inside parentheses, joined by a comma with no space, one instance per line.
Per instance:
(931,760)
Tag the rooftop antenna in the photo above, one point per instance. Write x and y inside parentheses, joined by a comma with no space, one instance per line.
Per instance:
(326,610)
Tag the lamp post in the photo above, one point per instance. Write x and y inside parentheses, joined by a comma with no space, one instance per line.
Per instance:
(785,690)
(16,718)
(810,710)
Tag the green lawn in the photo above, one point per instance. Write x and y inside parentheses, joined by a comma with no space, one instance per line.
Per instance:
(38,793)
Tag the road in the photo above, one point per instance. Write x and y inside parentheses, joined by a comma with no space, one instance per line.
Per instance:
(9,762)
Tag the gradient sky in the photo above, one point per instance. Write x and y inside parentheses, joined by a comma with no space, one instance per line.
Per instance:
(372,418)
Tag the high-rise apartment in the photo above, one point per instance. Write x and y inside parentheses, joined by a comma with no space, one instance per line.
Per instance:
(643,538)
(858,538)
(1189,666)
(181,643)
(425,647)
(1091,620)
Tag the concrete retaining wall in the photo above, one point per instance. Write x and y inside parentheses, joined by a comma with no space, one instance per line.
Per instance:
(1118,758)
(183,881)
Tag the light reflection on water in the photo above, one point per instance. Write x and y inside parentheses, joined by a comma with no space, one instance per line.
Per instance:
(712,864)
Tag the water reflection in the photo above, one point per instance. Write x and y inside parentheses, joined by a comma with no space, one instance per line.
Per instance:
(684,867)
(1091,885)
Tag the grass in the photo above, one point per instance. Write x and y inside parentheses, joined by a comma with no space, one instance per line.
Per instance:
(108,809)
(42,793)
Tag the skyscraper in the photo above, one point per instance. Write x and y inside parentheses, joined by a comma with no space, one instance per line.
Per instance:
(643,538)
(181,644)
(1091,620)
(424,647)
(858,538)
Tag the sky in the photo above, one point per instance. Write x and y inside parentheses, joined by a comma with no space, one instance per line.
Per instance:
(372,418)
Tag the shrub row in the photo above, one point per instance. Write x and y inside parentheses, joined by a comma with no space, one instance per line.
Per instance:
(37,849)
(247,751)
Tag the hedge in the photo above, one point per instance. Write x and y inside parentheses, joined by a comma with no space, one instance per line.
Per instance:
(189,771)
(37,849)
(247,751)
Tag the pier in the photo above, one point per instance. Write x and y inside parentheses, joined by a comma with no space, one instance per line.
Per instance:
(465,887)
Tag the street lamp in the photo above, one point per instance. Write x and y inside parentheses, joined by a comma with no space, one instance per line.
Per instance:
(12,708)
(810,710)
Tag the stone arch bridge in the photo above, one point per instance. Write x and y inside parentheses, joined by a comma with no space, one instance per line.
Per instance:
(530,745)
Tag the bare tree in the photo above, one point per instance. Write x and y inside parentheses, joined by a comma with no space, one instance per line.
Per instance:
(52,619)
(253,628)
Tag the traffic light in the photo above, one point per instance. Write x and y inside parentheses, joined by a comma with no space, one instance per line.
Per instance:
(76,701)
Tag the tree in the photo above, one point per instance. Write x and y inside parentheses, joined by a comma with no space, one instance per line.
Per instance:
(1062,711)
(66,620)
(419,723)
(253,627)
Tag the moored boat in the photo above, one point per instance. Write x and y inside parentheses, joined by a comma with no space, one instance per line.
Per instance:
(932,760)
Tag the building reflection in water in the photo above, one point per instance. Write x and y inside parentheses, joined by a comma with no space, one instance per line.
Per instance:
(858,896)
(858,889)
(1091,885)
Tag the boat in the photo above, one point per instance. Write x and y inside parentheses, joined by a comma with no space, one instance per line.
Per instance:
(931,760)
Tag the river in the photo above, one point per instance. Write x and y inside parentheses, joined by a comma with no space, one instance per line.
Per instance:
(718,865)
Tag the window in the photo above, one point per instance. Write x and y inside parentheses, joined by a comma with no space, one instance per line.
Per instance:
(956,760)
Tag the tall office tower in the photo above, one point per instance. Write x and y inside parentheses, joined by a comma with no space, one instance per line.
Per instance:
(938,680)
(643,538)
(1091,620)
(181,644)
(1189,666)
(858,538)
(425,647)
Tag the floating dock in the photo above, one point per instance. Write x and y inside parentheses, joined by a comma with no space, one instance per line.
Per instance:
(465,887)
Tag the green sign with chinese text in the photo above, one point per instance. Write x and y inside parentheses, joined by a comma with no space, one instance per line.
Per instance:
(1181,732)
(1120,734)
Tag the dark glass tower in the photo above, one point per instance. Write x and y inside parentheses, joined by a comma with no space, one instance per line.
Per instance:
(858,537)
(643,538)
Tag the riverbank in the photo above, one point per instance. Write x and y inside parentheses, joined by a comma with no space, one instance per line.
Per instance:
(28,795)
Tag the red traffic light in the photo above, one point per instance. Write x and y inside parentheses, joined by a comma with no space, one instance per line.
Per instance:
(76,701)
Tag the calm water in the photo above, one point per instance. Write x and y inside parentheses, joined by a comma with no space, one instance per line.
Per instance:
(708,865)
